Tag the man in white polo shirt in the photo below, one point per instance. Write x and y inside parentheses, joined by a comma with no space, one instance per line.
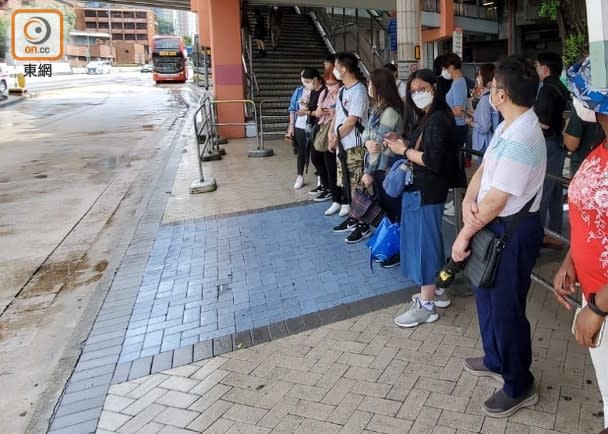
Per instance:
(509,179)
(351,116)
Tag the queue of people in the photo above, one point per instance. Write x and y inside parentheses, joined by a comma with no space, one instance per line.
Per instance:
(517,125)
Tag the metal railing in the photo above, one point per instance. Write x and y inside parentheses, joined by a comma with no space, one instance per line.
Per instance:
(203,131)
(263,116)
(249,106)
(366,35)
(458,196)
(247,60)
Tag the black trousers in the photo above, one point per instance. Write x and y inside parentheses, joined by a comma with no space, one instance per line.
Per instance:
(299,139)
(318,160)
(332,176)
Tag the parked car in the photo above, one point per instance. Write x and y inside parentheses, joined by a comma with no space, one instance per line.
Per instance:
(3,80)
(147,68)
(99,67)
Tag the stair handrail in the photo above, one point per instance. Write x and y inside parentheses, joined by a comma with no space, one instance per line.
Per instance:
(327,27)
(247,60)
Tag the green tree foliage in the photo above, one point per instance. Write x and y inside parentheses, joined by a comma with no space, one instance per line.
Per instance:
(3,35)
(187,41)
(165,27)
(570,16)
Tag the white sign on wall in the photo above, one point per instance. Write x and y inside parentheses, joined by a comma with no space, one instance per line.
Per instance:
(457,41)
(405,68)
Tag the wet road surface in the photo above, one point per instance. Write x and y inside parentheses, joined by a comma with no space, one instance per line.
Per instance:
(73,165)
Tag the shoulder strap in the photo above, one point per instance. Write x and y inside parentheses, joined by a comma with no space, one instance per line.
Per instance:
(342,102)
(517,219)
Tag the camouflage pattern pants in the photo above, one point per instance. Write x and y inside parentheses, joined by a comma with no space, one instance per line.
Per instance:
(354,167)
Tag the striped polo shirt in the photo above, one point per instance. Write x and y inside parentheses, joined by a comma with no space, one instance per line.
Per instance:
(515,163)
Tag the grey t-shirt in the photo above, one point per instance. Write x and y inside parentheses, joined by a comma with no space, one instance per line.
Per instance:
(356,102)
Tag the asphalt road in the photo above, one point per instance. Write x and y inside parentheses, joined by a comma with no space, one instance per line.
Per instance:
(75,163)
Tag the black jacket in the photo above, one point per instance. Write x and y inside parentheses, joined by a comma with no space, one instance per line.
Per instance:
(440,157)
(550,105)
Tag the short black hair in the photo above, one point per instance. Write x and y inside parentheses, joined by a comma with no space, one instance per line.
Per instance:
(452,59)
(551,60)
(518,77)
(348,60)
(330,58)
(391,67)
(310,73)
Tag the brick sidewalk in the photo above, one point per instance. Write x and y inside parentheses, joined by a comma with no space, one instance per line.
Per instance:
(364,375)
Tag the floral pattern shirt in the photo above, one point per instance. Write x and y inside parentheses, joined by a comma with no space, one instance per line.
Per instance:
(588,209)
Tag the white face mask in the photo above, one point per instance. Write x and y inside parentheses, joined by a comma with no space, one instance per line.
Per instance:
(494,107)
(583,112)
(446,74)
(337,74)
(422,99)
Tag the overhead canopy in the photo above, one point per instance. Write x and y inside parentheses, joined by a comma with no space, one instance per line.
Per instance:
(185,4)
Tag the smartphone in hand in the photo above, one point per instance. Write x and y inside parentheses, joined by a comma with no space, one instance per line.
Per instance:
(392,136)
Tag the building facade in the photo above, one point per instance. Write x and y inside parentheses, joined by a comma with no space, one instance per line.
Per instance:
(131,30)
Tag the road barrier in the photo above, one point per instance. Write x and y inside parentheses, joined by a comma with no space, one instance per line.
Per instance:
(260,151)
(203,132)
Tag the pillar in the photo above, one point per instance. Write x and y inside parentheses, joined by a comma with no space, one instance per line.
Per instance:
(201,7)
(597,16)
(446,23)
(408,28)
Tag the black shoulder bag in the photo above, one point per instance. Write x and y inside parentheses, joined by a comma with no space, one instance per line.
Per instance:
(486,249)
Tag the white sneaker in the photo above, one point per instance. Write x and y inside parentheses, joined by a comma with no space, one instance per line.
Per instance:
(443,300)
(416,314)
(449,210)
(299,182)
(344,210)
(334,208)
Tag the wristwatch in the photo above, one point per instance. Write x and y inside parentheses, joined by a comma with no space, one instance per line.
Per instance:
(593,306)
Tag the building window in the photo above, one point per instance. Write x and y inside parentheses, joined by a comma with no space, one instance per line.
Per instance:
(129,36)
(142,26)
(140,15)
(102,14)
(90,13)
(103,25)
(117,36)
(129,25)
(142,37)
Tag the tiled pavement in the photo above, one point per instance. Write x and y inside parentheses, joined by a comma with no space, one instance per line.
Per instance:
(363,375)
(213,277)
(354,375)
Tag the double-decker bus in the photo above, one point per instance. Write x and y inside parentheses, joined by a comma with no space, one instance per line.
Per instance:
(169,58)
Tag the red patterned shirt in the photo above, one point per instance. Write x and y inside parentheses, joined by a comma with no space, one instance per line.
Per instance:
(588,209)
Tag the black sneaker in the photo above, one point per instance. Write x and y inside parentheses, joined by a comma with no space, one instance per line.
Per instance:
(361,232)
(347,225)
(324,196)
(320,189)
(501,405)
(391,262)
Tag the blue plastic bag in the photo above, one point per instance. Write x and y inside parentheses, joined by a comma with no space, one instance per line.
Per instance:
(385,242)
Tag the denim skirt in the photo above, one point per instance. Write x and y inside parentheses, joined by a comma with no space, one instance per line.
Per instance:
(422,253)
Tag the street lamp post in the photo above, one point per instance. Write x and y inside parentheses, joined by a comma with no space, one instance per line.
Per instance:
(88,48)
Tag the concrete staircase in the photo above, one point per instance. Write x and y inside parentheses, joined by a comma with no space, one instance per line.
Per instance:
(278,74)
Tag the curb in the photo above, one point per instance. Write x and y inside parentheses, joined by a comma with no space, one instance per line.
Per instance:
(14,100)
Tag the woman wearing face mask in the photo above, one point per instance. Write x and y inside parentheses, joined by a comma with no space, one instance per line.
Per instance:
(328,172)
(385,116)
(424,199)
(317,89)
(484,120)
(299,111)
